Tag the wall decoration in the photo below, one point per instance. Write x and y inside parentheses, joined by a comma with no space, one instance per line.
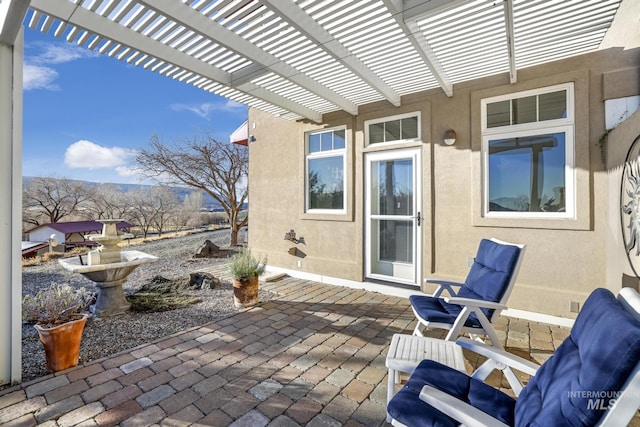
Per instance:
(630,206)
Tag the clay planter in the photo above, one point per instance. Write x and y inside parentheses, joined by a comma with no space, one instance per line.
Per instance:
(62,343)
(245,292)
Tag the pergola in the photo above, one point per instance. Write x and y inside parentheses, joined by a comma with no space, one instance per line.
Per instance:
(294,59)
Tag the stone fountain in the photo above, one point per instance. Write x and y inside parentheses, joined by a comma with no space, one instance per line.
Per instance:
(108,266)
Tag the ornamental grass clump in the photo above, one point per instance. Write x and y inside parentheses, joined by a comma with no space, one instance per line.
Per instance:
(244,266)
(57,304)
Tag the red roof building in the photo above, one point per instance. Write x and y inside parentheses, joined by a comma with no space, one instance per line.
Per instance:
(73,233)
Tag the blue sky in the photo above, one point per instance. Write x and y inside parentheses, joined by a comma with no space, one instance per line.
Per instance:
(86,115)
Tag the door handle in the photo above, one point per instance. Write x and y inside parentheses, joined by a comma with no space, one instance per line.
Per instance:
(418,218)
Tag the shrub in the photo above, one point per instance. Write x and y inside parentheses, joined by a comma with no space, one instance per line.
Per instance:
(244,266)
(59,303)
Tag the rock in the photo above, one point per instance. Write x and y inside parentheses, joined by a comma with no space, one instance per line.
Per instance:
(207,250)
(200,280)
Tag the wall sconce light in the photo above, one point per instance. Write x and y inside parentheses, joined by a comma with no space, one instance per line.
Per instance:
(450,137)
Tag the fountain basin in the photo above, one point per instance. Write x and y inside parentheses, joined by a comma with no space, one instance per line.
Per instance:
(109,279)
(109,272)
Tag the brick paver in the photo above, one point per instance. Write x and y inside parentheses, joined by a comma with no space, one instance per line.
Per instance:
(314,355)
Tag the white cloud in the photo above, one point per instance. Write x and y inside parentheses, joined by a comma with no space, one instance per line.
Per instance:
(38,73)
(205,109)
(59,53)
(39,77)
(88,155)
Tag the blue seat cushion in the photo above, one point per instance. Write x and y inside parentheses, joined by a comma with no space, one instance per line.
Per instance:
(595,360)
(410,410)
(437,310)
(488,280)
(407,408)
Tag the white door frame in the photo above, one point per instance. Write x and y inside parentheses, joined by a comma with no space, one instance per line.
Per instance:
(416,217)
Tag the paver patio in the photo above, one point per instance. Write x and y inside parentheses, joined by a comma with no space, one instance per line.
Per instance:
(315,356)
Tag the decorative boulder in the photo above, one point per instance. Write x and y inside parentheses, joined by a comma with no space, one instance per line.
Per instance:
(207,250)
(202,280)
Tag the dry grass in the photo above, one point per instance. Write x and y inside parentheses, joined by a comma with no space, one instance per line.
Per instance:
(49,256)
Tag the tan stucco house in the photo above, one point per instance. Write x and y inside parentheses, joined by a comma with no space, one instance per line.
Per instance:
(380,197)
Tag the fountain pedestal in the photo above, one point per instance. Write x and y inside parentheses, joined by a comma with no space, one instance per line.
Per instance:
(111,300)
(108,267)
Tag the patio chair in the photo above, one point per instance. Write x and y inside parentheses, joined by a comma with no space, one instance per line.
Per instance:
(478,301)
(593,378)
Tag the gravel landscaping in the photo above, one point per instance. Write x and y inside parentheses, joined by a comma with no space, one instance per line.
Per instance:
(108,335)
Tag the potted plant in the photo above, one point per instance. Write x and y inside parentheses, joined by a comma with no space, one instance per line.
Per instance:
(245,270)
(59,315)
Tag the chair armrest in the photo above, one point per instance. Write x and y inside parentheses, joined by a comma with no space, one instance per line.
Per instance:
(444,285)
(472,302)
(499,355)
(457,409)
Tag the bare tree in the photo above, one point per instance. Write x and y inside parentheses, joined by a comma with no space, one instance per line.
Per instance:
(48,199)
(142,212)
(165,203)
(152,208)
(193,201)
(219,169)
(107,201)
(189,212)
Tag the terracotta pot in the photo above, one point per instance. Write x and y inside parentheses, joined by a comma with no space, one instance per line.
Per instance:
(245,292)
(62,343)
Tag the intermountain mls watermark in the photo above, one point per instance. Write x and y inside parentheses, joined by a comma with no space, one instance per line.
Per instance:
(597,400)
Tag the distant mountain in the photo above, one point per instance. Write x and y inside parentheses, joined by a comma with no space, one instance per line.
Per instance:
(209,203)
(510,204)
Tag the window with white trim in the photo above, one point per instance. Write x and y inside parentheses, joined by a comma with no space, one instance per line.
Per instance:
(401,128)
(528,154)
(325,184)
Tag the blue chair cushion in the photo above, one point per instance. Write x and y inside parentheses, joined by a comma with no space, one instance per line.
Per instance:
(437,310)
(595,360)
(487,280)
(491,271)
(407,407)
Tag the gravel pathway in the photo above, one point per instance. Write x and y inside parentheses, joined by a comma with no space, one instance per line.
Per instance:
(104,336)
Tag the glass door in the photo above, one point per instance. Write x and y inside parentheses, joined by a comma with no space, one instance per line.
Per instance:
(393,217)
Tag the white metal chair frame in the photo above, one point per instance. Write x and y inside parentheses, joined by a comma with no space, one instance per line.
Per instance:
(470,305)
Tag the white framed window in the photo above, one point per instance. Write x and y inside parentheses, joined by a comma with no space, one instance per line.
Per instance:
(393,130)
(528,154)
(325,180)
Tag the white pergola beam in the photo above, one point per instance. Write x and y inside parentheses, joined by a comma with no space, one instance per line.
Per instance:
(210,29)
(306,25)
(116,33)
(413,33)
(508,22)
(417,9)
(11,69)
(12,13)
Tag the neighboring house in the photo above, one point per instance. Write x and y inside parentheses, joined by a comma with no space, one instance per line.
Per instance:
(34,249)
(71,234)
(382,197)
(241,135)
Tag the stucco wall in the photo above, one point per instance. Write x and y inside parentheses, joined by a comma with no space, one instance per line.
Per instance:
(564,259)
